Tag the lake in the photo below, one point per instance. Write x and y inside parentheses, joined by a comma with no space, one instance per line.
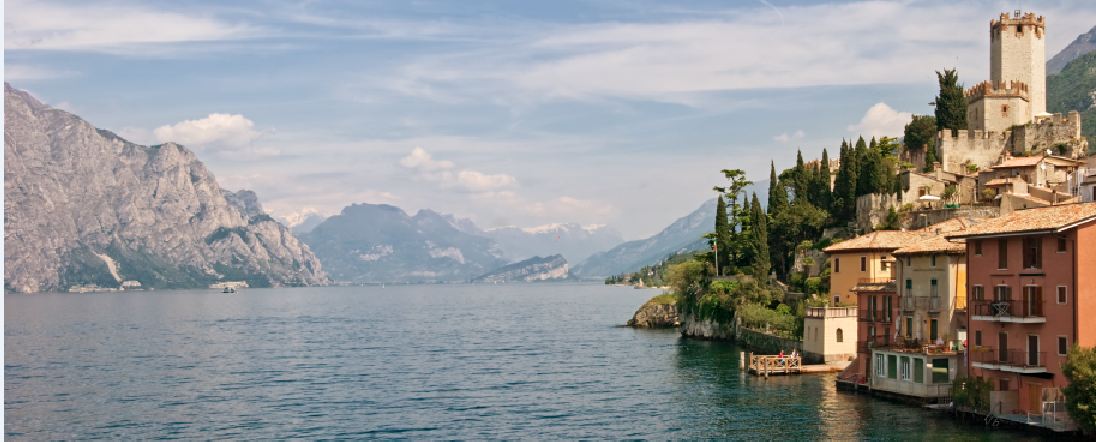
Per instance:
(422,362)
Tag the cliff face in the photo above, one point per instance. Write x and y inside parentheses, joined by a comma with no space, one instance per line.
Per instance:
(529,270)
(84,206)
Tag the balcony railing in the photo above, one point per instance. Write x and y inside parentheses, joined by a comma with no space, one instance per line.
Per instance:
(1011,310)
(866,345)
(907,303)
(877,316)
(875,280)
(1009,360)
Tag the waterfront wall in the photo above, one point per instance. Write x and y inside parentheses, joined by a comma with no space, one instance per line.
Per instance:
(764,343)
(707,329)
(755,341)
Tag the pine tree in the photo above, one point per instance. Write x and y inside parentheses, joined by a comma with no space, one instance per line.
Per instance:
(722,233)
(760,229)
(951,104)
(778,197)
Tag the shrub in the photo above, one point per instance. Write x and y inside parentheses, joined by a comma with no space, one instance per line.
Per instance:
(971,392)
(1080,370)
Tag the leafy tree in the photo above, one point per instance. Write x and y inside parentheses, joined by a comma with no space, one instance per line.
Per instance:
(951,104)
(1080,370)
(920,133)
(799,221)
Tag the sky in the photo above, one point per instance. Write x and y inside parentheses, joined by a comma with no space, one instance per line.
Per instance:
(506,112)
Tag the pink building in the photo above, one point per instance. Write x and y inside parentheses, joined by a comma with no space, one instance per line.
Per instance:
(1030,287)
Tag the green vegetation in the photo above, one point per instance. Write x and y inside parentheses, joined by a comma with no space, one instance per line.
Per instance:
(664,299)
(971,392)
(951,104)
(1080,370)
(920,133)
(1071,90)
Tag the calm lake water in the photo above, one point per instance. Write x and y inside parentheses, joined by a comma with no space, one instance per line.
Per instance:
(443,361)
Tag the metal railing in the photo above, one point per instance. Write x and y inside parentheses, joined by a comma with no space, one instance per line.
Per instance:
(1009,308)
(1011,357)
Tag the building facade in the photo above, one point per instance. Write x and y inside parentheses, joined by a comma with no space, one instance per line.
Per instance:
(1029,274)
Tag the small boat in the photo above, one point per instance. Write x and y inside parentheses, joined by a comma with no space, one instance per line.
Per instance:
(229,290)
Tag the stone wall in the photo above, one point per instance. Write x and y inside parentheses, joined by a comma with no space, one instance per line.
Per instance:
(763,343)
(706,329)
(982,149)
(872,209)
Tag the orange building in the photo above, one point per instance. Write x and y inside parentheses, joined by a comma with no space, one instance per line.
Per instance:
(1030,290)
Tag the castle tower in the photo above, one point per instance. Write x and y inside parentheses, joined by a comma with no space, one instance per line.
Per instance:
(1018,53)
(1016,93)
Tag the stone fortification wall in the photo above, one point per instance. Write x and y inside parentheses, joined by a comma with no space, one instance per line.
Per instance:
(872,209)
(980,148)
(1059,133)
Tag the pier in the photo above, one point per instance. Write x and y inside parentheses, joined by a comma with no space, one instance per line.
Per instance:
(766,365)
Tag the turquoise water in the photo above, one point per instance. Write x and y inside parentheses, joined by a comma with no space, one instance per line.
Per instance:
(421,362)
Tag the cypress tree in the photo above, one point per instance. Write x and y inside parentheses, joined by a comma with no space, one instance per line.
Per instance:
(802,185)
(951,104)
(841,183)
(762,263)
(824,192)
(856,169)
(778,197)
(722,234)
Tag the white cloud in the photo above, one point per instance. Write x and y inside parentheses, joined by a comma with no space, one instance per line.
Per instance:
(49,25)
(881,120)
(442,172)
(232,130)
(785,137)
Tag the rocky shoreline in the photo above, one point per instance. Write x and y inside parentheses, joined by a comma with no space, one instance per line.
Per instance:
(658,312)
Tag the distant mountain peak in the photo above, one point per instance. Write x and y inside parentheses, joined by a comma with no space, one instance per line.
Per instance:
(1082,45)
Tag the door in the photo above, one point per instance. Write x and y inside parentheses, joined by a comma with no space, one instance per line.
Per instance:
(1035,398)
(1033,351)
(1002,346)
(934,329)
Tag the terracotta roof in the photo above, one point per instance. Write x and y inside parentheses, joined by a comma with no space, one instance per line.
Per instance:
(998,182)
(877,240)
(932,244)
(1017,162)
(1043,219)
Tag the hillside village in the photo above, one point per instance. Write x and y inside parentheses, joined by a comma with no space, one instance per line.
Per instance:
(953,273)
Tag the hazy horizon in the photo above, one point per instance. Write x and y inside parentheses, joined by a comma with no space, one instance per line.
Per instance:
(506,113)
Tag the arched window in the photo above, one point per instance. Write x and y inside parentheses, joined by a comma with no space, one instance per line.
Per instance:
(840,335)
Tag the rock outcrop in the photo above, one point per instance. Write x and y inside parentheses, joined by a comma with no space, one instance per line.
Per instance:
(658,312)
(706,329)
(533,269)
(84,206)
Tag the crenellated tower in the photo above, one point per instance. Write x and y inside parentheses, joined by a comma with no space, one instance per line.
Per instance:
(1016,92)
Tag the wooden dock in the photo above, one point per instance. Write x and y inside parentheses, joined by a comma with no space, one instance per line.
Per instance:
(766,365)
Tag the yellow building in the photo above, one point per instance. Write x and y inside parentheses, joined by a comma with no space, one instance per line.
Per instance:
(932,278)
(866,258)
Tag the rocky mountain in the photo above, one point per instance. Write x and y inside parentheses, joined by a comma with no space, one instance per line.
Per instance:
(533,269)
(307,223)
(685,234)
(84,206)
(574,241)
(382,243)
(1074,88)
(1084,44)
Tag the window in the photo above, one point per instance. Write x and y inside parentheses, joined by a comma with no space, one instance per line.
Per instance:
(909,287)
(977,338)
(840,335)
(892,366)
(863,263)
(904,368)
(940,371)
(933,260)
(1033,301)
(836,299)
(837,265)
(1002,293)
(934,287)
(1061,294)
(934,330)
(1002,253)
(1004,109)
(977,293)
(918,370)
(978,247)
(1033,253)
(1062,347)
(909,326)
(880,366)
(1061,244)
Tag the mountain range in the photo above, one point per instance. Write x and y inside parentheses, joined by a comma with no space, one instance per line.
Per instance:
(85,207)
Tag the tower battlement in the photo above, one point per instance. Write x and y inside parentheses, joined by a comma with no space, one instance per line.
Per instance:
(988,88)
(1017,23)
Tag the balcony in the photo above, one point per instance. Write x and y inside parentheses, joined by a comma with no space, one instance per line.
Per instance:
(907,304)
(1011,360)
(876,316)
(1029,311)
(868,344)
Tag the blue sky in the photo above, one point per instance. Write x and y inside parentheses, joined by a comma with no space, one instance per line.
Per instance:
(506,112)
